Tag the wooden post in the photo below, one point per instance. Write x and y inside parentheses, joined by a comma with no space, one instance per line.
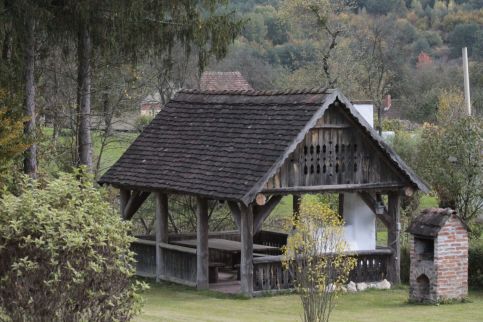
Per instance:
(124,195)
(246,260)
(296,207)
(202,257)
(161,226)
(393,240)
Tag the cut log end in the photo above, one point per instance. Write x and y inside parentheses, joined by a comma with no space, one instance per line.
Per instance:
(261,199)
(408,191)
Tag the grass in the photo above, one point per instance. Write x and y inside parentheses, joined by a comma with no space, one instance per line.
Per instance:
(167,302)
(428,201)
(116,145)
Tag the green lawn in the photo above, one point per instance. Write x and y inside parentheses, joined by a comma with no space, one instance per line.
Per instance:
(176,303)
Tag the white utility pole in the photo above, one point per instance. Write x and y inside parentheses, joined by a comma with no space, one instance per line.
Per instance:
(467,80)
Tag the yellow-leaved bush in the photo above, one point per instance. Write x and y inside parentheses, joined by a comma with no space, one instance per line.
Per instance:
(65,254)
(317,258)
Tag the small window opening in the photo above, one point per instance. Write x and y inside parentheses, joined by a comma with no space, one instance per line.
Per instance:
(324,148)
(336,148)
(305,150)
(424,248)
(324,169)
(337,168)
(318,149)
(311,149)
(305,169)
(355,167)
(318,168)
(312,169)
(355,147)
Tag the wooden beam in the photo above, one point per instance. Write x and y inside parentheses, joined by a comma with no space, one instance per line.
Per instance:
(371,202)
(124,195)
(260,213)
(161,231)
(235,212)
(336,188)
(341,205)
(246,260)
(393,238)
(136,199)
(296,201)
(202,257)
(178,248)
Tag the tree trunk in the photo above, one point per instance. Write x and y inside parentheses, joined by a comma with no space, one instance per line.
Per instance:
(108,113)
(30,156)
(84,51)
(7,46)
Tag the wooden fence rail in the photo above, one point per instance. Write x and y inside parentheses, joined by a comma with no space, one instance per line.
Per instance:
(179,262)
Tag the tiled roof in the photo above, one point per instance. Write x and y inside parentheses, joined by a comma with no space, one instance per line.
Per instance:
(216,81)
(203,143)
(430,221)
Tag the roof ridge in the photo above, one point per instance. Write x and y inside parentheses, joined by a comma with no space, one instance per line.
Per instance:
(316,90)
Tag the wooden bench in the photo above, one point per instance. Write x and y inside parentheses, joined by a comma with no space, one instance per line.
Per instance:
(213,271)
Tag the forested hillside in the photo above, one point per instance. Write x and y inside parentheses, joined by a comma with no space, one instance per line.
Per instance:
(410,49)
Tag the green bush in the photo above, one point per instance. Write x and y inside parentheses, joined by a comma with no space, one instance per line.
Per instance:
(65,254)
(142,121)
(405,262)
(475,265)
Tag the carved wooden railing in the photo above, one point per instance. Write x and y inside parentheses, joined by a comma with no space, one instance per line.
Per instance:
(371,265)
(269,275)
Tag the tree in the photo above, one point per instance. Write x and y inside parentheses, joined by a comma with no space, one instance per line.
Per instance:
(131,28)
(320,18)
(65,254)
(24,20)
(374,46)
(450,159)
(451,107)
(12,141)
(464,35)
(315,258)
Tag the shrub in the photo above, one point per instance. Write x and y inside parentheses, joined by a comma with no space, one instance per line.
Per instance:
(475,265)
(142,121)
(65,254)
(405,262)
(315,259)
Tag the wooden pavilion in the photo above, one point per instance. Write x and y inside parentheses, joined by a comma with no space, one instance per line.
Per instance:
(249,149)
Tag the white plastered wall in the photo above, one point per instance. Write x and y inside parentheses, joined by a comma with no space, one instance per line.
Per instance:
(360,220)
(360,223)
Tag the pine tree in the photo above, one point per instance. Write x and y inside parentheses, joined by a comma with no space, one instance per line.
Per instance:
(133,28)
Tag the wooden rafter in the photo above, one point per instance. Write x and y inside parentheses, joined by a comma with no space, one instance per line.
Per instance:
(235,212)
(371,202)
(133,203)
(260,213)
